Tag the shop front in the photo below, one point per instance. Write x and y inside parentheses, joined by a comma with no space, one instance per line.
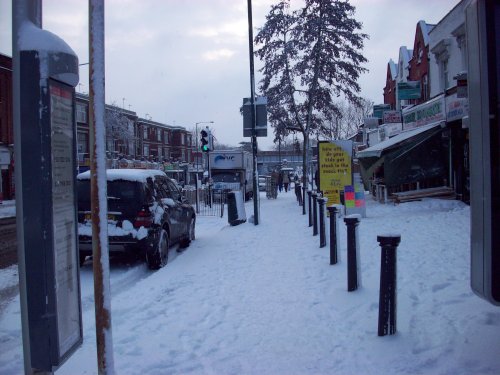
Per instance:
(411,160)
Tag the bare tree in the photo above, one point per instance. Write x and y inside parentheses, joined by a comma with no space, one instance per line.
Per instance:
(348,121)
(119,131)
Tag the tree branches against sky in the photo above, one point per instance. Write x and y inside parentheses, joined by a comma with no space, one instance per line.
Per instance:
(311,56)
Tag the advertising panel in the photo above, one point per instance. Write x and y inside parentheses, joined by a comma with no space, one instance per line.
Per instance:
(335,168)
(64,218)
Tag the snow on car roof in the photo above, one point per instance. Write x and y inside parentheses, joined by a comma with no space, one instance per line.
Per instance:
(139,175)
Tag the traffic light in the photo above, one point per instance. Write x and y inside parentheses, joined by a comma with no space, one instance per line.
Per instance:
(205,135)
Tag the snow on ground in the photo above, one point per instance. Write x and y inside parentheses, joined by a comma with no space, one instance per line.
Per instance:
(264,300)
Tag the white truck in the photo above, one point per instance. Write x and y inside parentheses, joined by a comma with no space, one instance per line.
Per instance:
(232,170)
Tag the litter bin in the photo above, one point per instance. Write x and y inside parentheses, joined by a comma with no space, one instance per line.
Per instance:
(235,208)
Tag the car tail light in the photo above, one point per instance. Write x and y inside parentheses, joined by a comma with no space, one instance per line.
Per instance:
(143,219)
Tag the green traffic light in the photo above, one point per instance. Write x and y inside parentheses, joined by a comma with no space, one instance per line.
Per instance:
(204,148)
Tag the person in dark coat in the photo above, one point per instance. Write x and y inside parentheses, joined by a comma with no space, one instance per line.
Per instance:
(286,181)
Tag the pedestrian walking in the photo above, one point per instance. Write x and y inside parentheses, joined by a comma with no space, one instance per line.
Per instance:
(280,182)
(286,181)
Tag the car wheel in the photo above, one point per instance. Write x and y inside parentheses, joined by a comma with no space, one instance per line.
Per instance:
(191,234)
(157,253)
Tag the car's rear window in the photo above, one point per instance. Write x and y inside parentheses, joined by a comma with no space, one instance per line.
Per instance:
(117,190)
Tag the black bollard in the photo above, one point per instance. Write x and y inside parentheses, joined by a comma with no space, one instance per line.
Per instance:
(388,285)
(304,199)
(315,214)
(322,236)
(298,193)
(352,222)
(310,208)
(333,234)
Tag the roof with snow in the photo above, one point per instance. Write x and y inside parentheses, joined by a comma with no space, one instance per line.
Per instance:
(139,175)
(426,28)
(393,69)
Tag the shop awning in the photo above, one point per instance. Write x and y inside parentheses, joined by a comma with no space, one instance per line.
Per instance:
(379,148)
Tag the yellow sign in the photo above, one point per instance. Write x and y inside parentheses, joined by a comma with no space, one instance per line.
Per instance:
(335,168)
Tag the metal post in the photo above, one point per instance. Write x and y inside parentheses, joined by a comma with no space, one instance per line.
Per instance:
(254,117)
(388,284)
(315,214)
(102,291)
(322,236)
(309,200)
(333,234)
(352,222)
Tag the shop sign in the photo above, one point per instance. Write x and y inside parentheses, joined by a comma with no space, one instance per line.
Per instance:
(456,108)
(408,90)
(391,117)
(379,109)
(426,113)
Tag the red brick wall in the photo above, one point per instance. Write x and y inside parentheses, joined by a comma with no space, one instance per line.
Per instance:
(390,89)
(419,65)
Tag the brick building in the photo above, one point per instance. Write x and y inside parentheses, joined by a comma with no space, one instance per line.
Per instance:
(390,84)
(419,63)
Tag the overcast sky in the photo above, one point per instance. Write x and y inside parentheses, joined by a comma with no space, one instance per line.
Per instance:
(187,61)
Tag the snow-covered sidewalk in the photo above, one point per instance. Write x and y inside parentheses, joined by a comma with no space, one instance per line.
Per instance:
(264,300)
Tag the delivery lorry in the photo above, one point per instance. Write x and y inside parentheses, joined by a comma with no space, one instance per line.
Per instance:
(232,170)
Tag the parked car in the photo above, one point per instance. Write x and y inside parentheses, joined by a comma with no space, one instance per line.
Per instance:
(146,215)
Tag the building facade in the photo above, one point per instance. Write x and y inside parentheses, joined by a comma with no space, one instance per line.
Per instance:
(390,84)
(435,123)
(133,138)
(419,62)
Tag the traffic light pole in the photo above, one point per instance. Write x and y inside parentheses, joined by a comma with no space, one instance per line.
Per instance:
(254,117)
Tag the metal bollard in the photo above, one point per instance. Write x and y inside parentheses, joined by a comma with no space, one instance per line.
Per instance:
(333,234)
(304,199)
(322,236)
(353,280)
(315,213)
(310,206)
(388,285)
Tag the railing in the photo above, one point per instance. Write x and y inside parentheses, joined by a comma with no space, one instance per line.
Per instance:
(211,202)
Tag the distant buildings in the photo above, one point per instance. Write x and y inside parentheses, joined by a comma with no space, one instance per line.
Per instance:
(131,137)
